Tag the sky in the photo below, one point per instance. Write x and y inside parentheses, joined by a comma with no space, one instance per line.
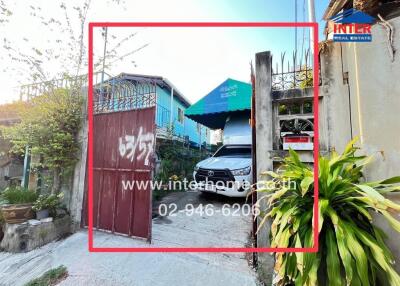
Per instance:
(195,60)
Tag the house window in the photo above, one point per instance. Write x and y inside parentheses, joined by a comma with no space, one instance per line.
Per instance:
(180,115)
(198,128)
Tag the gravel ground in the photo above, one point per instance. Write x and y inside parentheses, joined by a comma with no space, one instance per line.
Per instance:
(145,269)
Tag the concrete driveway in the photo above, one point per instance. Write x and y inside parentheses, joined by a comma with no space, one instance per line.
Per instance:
(145,269)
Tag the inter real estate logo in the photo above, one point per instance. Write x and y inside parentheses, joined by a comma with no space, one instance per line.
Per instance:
(352,26)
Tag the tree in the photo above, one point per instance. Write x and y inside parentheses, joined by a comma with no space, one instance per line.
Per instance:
(5,12)
(49,126)
(50,122)
(64,54)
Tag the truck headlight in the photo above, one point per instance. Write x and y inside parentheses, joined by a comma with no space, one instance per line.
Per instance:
(196,168)
(241,172)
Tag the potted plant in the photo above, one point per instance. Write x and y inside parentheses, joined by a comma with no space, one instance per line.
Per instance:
(352,250)
(1,225)
(46,205)
(17,204)
(2,202)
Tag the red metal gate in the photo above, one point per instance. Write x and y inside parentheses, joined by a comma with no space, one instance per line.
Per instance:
(123,144)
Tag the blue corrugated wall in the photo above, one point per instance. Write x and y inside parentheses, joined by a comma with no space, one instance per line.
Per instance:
(188,128)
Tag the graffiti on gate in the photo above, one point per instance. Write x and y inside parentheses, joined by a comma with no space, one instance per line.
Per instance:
(137,147)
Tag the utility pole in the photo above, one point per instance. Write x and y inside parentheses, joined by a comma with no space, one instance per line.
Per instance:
(104,61)
(311,19)
(27,167)
(295,29)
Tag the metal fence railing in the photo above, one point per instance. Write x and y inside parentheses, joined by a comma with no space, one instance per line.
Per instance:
(162,116)
(109,93)
(296,74)
(28,91)
(119,94)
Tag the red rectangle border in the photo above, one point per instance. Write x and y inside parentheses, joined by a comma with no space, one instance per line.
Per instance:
(92,25)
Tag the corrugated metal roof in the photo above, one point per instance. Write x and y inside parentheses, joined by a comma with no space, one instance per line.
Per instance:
(212,110)
(334,7)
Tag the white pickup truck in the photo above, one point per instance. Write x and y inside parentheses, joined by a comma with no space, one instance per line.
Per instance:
(228,171)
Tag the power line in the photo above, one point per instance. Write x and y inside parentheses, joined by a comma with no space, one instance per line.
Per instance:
(295,29)
(304,30)
(311,18)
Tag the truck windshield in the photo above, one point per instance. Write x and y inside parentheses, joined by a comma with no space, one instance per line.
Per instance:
(234,151)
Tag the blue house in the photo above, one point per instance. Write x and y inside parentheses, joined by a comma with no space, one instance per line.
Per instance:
(130,91)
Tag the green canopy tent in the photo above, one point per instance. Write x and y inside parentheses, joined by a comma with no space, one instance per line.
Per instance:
(230,97)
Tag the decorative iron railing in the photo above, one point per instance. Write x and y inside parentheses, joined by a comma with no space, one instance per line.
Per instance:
(119,94)
(297,74)
(28,91)
(110,94)
(301,78)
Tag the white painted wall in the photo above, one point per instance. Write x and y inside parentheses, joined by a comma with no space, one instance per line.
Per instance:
(237,130)
(374,88)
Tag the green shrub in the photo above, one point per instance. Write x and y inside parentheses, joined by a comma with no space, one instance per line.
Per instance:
(178,160)
(352,250)
(50,278)
(49,124)
(48,202)
(17,195)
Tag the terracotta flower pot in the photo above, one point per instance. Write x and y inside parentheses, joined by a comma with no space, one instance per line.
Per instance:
(17,213)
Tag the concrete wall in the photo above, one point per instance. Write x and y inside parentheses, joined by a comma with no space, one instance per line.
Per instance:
(361,96)
(75,197)
(268,133)
(23,237)
(13,170)
(297,95)
(368,105)
(264,146)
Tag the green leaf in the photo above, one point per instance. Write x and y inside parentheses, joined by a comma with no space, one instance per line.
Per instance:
(390,181)
(322,207)
(358,254)
(312,276)
(344,252)
(350,146)
(361,209)
(310,260)
(392,221)
(294,156)
(371,192)
(270,173)
(299,255)
(305,184)
(332,259)
(352,249)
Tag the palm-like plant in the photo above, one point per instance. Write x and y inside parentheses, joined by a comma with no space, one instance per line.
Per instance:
(352,250)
